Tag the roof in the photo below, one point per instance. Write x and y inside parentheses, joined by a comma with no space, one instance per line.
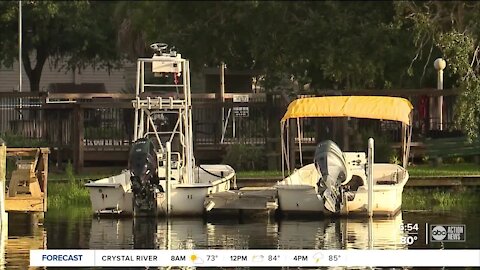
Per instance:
(372,107)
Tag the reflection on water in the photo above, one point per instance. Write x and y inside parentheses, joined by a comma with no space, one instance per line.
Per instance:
(147,233)
(21,236)
(82,231)
(341,234)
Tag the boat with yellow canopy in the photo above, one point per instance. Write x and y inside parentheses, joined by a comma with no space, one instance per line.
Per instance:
(343,182)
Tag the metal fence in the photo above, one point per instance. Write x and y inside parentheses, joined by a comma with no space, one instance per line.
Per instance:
(235,119)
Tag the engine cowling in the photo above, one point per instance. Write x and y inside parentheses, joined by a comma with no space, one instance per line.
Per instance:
(143,166)
(330,163)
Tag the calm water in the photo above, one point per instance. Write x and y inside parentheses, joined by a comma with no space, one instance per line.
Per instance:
(76,229)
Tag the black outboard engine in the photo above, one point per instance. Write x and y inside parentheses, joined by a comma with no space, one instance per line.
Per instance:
(331,164)
(143,166)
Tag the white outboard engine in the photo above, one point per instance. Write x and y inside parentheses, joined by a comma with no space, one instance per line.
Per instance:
(143,166)
(330,163)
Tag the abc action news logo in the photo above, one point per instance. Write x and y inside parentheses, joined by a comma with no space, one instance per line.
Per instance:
(447,233)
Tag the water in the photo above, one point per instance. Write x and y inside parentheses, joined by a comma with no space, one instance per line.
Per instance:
(77,229)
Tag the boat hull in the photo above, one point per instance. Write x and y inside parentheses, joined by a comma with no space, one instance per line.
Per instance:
(299,199)
(297,193)
(113,195)
(185,200)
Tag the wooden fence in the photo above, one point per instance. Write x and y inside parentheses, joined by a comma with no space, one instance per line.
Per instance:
(99,126)
(83,127)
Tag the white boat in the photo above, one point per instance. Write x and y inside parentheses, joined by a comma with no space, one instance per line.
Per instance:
(345,186)
(162,178)
(113,195)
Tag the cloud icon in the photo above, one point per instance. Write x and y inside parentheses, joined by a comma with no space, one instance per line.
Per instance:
(257,258)
(318,257)
(195,259)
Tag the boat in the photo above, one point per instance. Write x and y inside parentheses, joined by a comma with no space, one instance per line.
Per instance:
(338,182)
(162,177)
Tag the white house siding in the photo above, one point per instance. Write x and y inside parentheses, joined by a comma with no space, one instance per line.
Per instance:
(119,80)
(115,81)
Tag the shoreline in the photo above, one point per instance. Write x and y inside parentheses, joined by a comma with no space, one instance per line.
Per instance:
(414,181)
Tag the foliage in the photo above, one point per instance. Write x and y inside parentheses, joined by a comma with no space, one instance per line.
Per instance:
(85,176)
(450,30)
(323,44)
(69,213)
(297,45)
(382,144)
(245,157)
(437,199)
(73,33)
(444,170)
(68,194)
(69,172)
(16,140)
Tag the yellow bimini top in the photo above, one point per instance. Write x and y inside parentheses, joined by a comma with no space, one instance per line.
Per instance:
(372,107)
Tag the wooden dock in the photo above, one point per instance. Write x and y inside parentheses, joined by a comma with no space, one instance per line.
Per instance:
(414,181)
(27,190)
(245,201)
(258,197)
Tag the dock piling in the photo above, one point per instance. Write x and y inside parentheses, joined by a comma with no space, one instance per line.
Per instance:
(3,171)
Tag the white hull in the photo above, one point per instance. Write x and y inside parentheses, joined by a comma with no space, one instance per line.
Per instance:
(113,195)
(298,192)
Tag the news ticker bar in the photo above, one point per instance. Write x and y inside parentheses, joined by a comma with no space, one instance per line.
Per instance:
(255,257)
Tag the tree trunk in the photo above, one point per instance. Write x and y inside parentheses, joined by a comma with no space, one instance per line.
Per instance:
(34,74)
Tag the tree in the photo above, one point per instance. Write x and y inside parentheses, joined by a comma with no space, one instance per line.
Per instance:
(453,29)
(324,44)
(77,32)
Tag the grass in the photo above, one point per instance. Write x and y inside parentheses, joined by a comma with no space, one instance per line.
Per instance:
(458,169)
(72,193)
(436,199)
(84,176)
(423,170)
(69,213)
(15,140)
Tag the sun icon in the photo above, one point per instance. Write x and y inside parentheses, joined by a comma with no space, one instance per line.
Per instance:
(195,259)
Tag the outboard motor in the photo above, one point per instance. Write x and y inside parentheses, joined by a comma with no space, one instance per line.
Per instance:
(331,164)
(143,166)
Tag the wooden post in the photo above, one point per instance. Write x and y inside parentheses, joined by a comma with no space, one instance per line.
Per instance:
(44,178)
(291,130)
(59,140)
(78,131)
(370,161)
(221,98)
(3,172)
